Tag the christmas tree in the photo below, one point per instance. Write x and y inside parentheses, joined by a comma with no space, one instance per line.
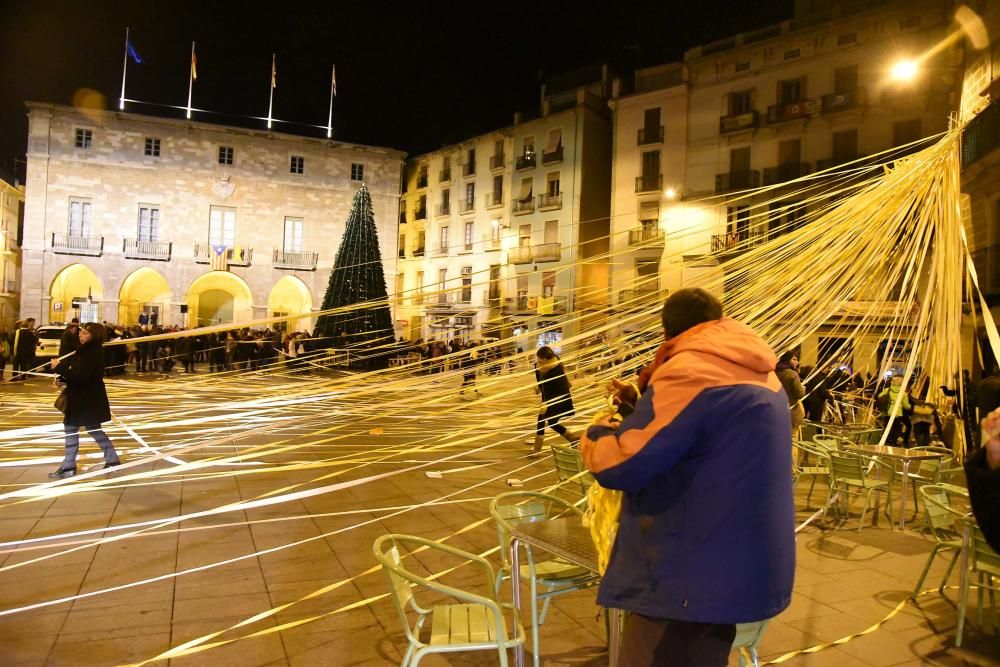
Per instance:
(357,277)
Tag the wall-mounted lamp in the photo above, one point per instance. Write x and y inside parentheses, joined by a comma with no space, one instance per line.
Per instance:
(497,223)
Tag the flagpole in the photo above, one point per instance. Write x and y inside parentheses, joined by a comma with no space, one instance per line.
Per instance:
(190,81)
(270,102)
(121,100)
(333,91)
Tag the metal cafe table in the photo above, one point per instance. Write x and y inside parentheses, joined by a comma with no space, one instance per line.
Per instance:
(568,539)
(906,456)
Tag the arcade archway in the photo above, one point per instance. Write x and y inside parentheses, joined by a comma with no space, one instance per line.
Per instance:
(76,291)
(290,296)
(144,291)
(218,297)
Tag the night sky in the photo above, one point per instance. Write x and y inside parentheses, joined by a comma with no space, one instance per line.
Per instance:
(412,76)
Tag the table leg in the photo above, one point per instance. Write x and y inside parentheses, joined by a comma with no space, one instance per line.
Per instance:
(902,494)
(515,580)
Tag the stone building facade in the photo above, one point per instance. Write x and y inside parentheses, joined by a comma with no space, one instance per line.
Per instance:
(496,231)
(11,227)
(123,211)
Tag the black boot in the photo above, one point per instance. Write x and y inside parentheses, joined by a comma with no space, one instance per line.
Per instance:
(62,473)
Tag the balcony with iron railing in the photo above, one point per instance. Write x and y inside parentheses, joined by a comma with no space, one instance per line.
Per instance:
(235,256)
(444,209)
(422,181)
(305,261)
(547,252)
(402,252)
(642,297)
(650,235)
(420,213)
(469,169)
(650,135)
(525,161)
(467,206)
(521,254)
(786,172)
(535,305)
(737,241)
(440,250)
(782,113)
(494,199)
(490,243)
(553,156)
(522,206)
(739,122)
(444,176)
(9,286)
(497,162)
(157,251)
(549,201)
(737,180)
(418,251)
(648,183)
(981,135)
(66,244)
(849,99)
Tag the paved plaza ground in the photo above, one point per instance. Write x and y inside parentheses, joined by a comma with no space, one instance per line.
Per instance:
(845,582)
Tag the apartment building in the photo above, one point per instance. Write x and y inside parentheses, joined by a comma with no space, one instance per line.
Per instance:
(11,228)
(495,231)
(189,222)
(648,175)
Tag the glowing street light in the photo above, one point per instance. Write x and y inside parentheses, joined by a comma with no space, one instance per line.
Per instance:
(904,70)
(670,193)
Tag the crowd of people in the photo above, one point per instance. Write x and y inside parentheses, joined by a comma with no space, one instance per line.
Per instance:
(158,349)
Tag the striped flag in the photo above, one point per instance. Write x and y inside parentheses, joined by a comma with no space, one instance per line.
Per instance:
(219,258)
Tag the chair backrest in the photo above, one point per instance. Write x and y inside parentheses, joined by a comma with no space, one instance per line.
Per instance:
(981,554)
(829,442)
(569,464)
(516,507)
(748,635)
(937,512)
(844,466)
(387,554)
(807,430)
(929,467)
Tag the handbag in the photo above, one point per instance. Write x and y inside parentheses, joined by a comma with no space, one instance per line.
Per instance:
(61,401)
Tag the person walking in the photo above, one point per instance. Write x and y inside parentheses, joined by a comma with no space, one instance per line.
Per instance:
(70,339)
(706,533)
(24,346)
(470,363)
(5,349)
(893,406)
(87,404)
(557,402)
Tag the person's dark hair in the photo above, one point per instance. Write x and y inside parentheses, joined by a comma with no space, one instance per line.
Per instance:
(786,358)
(98,334)
(545,352)
(687,308)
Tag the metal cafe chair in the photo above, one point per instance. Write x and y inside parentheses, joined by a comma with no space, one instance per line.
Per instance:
(942,522)
(748,636)
(927,469)
(570,470)
(477,623)
(554,574)
(819,469)
(981,560)
(849,474)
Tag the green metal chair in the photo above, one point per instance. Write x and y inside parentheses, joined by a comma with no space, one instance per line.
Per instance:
(558,576)
(478,623)
(849,474)
(807,430)
(569,466)
(926,472)
(801,467)
(748,636)
(942,522)
(827,442)
(984,562)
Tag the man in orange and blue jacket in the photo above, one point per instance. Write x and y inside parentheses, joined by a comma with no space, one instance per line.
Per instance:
(706,535)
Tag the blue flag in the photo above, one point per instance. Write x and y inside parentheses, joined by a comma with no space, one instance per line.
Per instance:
(132,52)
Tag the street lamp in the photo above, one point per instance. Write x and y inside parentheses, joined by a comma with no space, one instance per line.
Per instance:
(904,70)
(670,193)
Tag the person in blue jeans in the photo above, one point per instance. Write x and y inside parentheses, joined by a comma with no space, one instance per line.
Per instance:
(87,406)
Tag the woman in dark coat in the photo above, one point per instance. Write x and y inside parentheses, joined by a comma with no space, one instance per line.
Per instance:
(557,402)
(86,399)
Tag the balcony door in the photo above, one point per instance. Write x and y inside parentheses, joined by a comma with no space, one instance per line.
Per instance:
(651,123)
(650,169)
(790,153)
(739,160)
(222,226)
